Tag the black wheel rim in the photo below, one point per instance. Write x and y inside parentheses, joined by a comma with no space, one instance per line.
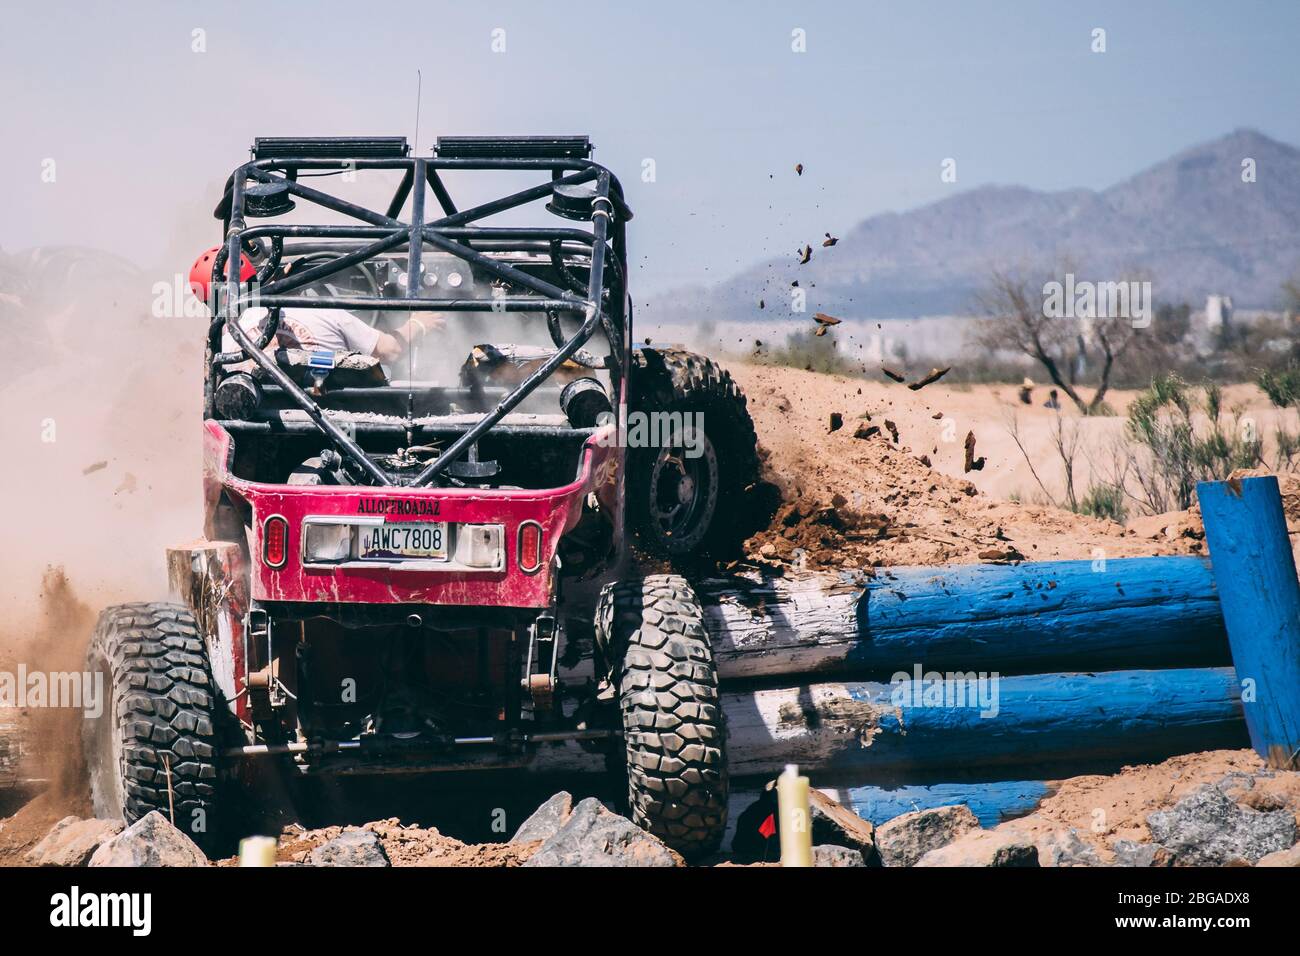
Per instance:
(683,495)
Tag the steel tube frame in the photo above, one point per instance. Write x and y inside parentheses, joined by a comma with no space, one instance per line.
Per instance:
(449,234)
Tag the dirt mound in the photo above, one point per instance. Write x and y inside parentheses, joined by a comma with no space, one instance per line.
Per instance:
(1108,809)
(856,494)
(405,846)
(29,825)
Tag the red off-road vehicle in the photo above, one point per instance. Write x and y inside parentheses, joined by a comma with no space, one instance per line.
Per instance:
(381,583)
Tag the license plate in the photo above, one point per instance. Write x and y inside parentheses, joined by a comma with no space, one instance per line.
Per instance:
(413,539)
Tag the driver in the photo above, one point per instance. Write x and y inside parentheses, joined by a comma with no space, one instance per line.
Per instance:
(335,330)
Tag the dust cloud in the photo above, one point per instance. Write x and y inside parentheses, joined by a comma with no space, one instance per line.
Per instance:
(100,424)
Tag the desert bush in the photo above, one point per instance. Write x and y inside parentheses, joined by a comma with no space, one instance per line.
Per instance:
(1282,387)
(1170,450)
(1104,500)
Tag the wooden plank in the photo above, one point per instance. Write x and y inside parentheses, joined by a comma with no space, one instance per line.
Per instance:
(1245,529)
(1035,617)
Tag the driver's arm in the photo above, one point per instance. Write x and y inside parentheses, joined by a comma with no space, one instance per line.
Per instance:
(390,346)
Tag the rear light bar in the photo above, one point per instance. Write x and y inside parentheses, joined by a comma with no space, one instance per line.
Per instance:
(530,547)
(513,147)
(275,541)
(330,147)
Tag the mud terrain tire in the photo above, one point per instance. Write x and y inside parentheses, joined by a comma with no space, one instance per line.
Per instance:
(159,715)
(653,646)
(710,516)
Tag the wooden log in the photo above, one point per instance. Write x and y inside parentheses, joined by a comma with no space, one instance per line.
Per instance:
(992,802)
(893,731)
(1119,715)
(1031,618)
(208,577)
(1245,528)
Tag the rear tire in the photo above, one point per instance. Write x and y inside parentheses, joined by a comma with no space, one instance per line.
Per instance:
(159,717)
(653,645)
(680,505)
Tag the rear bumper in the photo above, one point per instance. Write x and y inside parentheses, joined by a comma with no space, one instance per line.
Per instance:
(555,510)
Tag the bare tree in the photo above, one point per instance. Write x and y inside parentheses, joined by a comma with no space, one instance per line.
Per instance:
(1014,319)
(1065,438)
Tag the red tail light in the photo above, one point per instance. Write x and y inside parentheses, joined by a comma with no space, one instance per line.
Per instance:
(275,541)
(530,547)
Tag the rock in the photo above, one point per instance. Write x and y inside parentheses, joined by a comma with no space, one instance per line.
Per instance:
(350,848)
(835,825)
(1065,848)
(593,836)
(1152,526)
(546,819)
(1206,828)
(905,839)
(1236,786)
(827,855)
(984,848)
(1129,853)
(72,841)
(150,841)
(1289,857)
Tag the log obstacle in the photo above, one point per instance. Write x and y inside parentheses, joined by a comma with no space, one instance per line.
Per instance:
(1245,528)
(1128,716)
(1031,618)
(1094,662)
(878,730)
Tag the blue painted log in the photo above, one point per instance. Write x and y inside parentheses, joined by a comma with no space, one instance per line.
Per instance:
(1032,618)
(992,802)
(1256,577)
(924,724)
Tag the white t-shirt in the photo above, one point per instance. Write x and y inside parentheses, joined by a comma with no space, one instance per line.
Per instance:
(335,330)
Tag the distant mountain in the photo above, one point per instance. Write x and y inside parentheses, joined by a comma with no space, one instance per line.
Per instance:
(1190,223)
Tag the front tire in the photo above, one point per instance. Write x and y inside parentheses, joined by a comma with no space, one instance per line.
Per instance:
(654,647)
(159,720)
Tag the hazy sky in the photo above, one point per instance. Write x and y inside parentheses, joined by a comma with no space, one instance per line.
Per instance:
(143,129)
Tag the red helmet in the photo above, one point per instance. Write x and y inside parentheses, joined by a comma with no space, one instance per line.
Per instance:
(201,271)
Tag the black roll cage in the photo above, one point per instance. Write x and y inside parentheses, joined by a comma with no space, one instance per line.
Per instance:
(563,157)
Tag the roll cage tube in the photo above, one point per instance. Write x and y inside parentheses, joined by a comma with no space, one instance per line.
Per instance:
(452,234)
